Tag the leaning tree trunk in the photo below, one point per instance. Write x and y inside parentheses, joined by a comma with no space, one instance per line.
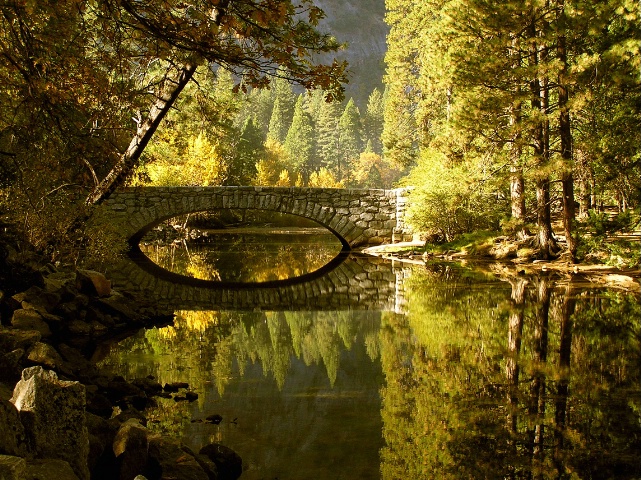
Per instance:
(129,160)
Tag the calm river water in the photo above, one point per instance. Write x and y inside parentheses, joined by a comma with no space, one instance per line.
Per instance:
(461,374)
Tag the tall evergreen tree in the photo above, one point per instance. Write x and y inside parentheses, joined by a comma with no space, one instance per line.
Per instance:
(249,151)
(299,143)
(283,110)
(373,121)
(327,134)
(350,142)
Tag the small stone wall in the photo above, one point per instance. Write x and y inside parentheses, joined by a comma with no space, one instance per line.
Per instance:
(358,217)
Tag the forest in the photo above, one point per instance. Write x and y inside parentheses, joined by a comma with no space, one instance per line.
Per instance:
(504,118)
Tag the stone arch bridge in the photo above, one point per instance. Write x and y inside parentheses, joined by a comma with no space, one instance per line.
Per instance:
(352,281)
(358,217)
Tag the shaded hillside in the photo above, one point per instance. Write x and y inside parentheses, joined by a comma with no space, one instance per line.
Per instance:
(360,24)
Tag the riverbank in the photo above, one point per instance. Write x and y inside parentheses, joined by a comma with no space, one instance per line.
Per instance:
(60,416)
(626,278)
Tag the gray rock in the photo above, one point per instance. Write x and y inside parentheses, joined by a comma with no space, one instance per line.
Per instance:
(12,468)
(50,469)
(101,436)
(93,283)
(174,461)
(208,466)
(45,355)
(11,365)
(12,339)
(30,320)
(119,305)
(78,327)
(53,414)
(13,440)
(132,448)
(59,281)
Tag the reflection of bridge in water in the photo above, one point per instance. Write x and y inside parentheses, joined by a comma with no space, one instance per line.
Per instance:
(349,282)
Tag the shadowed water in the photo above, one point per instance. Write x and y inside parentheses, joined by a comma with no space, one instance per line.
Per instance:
(477,376)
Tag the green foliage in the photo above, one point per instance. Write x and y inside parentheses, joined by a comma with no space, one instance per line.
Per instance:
(472,243)
(502,90)
(447,202)
(299,143)
(82,82)
(602,223)
(603,239)
(249,151)
(350,142)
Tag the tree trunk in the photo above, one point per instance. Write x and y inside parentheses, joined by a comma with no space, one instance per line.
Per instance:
(540,139)
(562,389)
(584,184)
(565,133)
(538,385)
(168,94)
(514,336)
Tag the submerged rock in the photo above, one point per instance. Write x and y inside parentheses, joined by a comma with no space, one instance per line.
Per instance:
(131,448)
(175,462)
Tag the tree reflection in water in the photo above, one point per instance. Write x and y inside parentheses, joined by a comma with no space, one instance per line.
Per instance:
(560,363)
(248,257)
(523,378)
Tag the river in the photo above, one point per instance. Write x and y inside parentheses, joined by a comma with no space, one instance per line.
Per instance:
(406,371)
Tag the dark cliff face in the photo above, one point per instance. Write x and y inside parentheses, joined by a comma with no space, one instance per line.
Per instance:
(361,25)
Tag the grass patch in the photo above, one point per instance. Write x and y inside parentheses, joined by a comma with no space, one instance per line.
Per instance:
(475,243)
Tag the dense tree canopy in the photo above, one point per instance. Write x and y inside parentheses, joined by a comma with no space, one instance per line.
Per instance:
(85,84)
(525,97)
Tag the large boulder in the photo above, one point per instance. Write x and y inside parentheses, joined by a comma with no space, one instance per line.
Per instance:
(131,448)
(30,319)
(93,283)
(228,462)
(12,468)
(13,440)
(50,469)
(45,355)
(173,462)
(12,339)
(53,414)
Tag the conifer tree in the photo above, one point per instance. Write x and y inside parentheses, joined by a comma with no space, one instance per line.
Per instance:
(350,142)
(249,151)
(327,134)
(373,121)
(299,143)
(283,110)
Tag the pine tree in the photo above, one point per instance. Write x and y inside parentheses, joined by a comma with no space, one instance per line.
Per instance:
(299,143)
(350,142)
(373,121)
(327,134)
(249,151)
(283,110)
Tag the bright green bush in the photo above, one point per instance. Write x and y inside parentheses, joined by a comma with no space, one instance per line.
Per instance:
(448,200)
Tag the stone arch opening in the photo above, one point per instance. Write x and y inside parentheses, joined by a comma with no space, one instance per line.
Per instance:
(137,236)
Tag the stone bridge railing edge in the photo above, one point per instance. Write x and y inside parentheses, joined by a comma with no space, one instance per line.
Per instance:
(359,216)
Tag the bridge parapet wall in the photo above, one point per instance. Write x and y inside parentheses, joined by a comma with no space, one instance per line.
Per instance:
(358,217)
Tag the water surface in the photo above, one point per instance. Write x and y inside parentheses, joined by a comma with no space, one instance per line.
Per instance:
(473,376)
